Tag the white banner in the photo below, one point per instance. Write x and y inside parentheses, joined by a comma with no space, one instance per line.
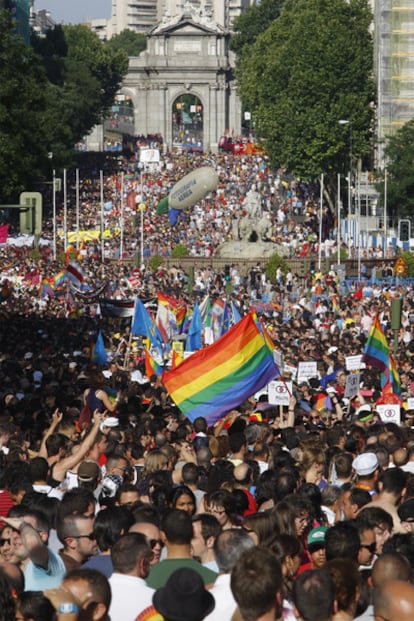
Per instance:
(307,369)
(389,413)
(354,363)
(279,392)
(352,385)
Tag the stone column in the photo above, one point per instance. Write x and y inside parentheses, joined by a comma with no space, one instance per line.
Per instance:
(212,115)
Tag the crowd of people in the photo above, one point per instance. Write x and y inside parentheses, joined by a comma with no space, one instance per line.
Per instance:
(115,506)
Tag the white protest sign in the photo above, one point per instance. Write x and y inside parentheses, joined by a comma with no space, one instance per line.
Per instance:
(390,413)
(307,369)
(410,403)
(287,368)
(279,392)
(352,385)
(354,363)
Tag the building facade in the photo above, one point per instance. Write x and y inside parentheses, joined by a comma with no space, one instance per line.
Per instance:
(394,68)
(182,86)
(142,15)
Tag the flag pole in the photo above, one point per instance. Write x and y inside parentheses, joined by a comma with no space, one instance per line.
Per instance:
(65,209)
(121,245)
(102,214)
(77,209)
(127,349)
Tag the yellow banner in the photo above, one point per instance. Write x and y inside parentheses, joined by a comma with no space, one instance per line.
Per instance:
(87,235)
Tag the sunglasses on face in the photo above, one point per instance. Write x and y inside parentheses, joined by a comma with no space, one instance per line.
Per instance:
(90,536)
(154,542)
(371,547)
(3,541)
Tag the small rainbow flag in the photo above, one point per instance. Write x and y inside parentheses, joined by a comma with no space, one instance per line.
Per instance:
(335,305)
(59,278)
(390,379)
(376,352)
(323,402)
(151,365)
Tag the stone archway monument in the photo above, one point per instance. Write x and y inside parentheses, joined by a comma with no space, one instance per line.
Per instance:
(187,61)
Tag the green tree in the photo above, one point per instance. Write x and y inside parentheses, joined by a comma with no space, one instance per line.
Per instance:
(84,77)
(255,20)
(399,154)
(309,69)
(94,75)
(133,43)
(24,129)
(179,251)
(409,261)
(155,262)
(273,263)
(52,49)
(51,95)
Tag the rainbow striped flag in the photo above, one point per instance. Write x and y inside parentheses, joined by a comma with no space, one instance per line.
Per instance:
(217,379)
(335,305)
(46,289)
(59,278)
(390,379)
(376,352)
(151,365)
(323,402)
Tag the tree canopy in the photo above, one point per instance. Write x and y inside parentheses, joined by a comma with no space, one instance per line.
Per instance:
(255,20)
(133,43)
(311,68)
(399,154)
(52,93)
(24,120)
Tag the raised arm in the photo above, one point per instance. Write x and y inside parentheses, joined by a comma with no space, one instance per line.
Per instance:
(56,418)
(31,540)
(65,464)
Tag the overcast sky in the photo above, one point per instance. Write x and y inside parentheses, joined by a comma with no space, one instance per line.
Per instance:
(75,11)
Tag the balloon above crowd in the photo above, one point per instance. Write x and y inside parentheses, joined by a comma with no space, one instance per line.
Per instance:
(186,192)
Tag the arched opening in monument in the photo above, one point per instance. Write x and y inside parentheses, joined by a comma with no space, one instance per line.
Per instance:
(119,126)
(187,123)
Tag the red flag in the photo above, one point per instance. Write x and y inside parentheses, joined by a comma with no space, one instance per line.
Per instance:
(358,295)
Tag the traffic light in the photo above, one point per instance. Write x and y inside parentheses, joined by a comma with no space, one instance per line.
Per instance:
(312,267)
(404,230)
(30,213)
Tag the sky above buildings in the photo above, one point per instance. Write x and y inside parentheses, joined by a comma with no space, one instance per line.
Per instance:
(75,11)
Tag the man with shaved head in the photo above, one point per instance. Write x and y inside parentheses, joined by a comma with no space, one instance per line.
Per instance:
(387,568)
(243,477)
(390,567)
(394,601)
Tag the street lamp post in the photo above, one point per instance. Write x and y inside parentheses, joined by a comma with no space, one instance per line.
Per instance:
(349,123)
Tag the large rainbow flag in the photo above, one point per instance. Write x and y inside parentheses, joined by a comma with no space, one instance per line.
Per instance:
(219,377)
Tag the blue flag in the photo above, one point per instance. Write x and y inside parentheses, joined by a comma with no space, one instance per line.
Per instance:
(324,381)
(144,325)
(225,323)
(193,341)
(173,215)
(99,353)
(235,312)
